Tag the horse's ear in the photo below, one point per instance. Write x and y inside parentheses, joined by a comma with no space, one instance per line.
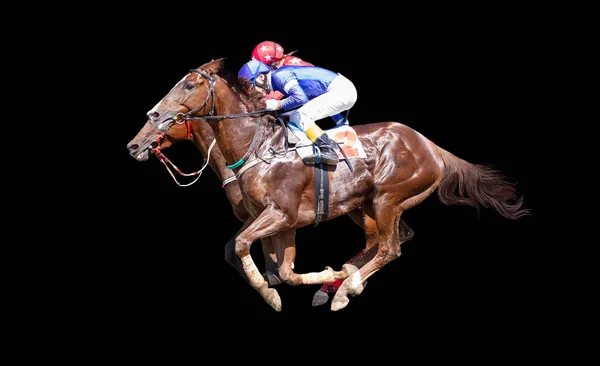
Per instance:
(215,66)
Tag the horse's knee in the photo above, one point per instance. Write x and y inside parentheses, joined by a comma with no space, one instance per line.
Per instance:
(391,255)
(242,247)
(394,255)
(287,275)
(383,251)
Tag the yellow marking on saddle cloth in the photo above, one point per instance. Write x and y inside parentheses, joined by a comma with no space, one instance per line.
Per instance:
(345,135)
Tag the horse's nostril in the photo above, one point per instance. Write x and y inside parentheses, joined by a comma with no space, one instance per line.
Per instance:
(133,147)
(155,115)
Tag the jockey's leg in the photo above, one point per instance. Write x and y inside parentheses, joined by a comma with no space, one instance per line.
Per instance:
(340,119)
(326,153)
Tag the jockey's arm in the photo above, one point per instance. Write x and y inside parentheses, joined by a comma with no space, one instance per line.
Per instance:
(288,83)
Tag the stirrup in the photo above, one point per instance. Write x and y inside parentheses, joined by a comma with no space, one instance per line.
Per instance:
(312,158)
(330,157)
(317,158)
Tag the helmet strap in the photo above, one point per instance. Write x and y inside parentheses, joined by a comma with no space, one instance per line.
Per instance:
(265,85)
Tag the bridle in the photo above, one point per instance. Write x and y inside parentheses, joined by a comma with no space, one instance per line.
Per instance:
(183,117)
(180,118)
(211,93)
(163,159)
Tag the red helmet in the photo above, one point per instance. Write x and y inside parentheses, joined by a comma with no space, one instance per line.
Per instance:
(267,52)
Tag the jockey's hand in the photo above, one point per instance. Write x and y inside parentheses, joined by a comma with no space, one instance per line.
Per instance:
(272,104)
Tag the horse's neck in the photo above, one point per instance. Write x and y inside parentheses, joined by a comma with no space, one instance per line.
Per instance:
(234,136)
(203,139)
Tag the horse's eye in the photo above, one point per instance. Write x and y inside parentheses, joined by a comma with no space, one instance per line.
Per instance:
(189,86)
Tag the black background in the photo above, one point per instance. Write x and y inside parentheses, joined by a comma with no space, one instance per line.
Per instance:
(469,87)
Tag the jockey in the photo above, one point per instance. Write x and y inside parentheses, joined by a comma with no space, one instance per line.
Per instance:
(271,54)
(318,93)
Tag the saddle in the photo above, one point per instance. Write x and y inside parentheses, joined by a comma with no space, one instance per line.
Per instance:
(296,138)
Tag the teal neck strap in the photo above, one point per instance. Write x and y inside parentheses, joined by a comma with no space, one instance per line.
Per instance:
(233,166)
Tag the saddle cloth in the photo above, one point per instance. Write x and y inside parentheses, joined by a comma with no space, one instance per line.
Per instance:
(343,134)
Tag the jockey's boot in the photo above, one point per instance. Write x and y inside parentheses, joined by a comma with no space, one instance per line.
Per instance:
(327,153)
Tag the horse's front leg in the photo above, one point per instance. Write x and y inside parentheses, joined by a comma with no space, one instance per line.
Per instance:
(284,243)
(271,263)
(269,222)
(231,257)
(268,251)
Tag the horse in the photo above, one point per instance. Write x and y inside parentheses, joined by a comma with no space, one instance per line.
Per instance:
(150,141)
(401,169)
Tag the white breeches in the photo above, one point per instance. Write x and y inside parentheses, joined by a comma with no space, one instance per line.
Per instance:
(340,96)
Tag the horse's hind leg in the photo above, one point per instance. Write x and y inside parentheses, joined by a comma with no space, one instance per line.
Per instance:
(387,213)
(388,207)
(363,218)
(285,246)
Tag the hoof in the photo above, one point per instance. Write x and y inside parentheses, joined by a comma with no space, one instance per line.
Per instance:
(320,298)
(339,303)
(272,298)
(271,279)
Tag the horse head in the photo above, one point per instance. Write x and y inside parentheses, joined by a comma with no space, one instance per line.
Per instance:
(149,139)
(210,95)
(192,95)
(166,124)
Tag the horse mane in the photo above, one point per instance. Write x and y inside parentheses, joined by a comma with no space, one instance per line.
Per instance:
(248,92)
(252,98)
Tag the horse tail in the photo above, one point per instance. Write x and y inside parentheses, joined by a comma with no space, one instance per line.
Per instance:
(478,186)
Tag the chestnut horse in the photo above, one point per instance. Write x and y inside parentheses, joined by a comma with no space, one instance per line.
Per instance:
(402,168)
(150,141)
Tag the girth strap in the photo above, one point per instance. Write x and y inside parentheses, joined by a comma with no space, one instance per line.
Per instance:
(321,192)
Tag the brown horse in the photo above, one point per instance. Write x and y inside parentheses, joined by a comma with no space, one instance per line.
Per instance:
(401,169)
(150,140)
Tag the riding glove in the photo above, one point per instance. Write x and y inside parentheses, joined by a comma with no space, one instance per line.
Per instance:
(272,104)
